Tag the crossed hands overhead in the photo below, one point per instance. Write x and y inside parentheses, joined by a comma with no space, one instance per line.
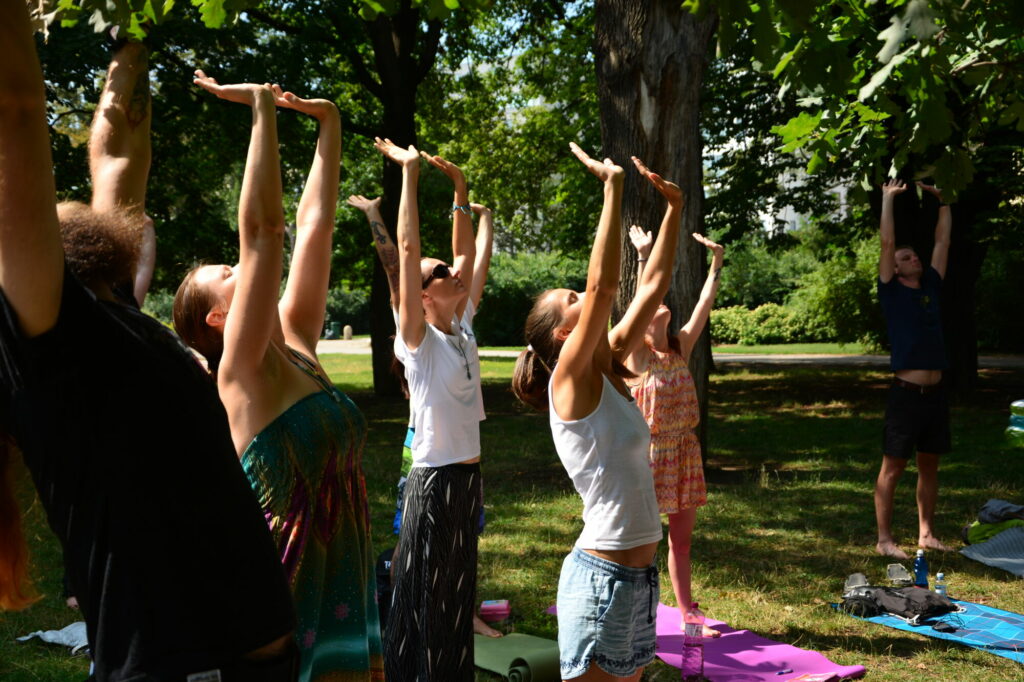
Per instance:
(247,93)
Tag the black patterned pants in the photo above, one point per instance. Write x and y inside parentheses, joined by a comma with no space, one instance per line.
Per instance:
(429,634)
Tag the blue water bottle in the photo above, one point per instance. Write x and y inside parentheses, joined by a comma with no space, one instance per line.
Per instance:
(921,570)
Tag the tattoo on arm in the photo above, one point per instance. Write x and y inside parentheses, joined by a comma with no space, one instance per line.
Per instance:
(138,103)
(389,259)
(718,273)
(378,231)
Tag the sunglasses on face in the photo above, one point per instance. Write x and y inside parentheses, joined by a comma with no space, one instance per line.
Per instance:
(440,271)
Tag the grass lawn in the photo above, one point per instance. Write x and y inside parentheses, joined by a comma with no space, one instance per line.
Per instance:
(795,349)
(793,456)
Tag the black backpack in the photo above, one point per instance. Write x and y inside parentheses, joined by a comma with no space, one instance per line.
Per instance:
(912,604)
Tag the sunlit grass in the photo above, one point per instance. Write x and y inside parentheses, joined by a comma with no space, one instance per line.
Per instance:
(791,464)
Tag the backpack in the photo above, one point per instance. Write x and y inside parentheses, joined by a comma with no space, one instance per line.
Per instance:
(912,604)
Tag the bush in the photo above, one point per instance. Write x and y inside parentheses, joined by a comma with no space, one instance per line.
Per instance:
(838,300)
(349,306)
(1001,281)
(768,323)
(513,283)
(160,304)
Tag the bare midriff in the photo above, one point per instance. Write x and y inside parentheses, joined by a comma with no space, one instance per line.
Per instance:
(634,557)
(921,377)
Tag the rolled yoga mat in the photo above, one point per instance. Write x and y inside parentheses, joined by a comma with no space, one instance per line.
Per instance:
(518,657)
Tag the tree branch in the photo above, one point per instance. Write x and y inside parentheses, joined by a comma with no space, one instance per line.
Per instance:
(431,41)
(274,23)
(362,73)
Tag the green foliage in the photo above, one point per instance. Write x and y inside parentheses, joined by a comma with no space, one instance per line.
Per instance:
(767,323)
(349,306)
(838,300)
(160,305)
(758,272)
(888,85)
(1000,286)
(513,283)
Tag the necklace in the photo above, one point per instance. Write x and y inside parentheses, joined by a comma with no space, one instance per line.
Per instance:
(457,345)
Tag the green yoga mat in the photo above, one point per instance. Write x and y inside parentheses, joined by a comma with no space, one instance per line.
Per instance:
(520,658)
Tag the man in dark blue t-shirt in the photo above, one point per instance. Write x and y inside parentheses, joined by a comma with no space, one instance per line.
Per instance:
(917,415)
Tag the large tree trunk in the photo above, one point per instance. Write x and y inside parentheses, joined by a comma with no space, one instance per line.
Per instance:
(650,59)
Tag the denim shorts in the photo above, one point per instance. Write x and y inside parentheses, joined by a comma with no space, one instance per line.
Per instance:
(606,615)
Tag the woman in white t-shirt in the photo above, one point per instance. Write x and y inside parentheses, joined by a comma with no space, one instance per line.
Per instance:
(429,632)
(608,589)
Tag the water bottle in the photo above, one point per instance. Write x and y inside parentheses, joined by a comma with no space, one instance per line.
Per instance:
(940,584)
(693,644)
(921,570)
(1015,431)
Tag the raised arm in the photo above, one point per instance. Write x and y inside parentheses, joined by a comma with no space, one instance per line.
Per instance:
(484,244)
(642,242)
(386,249)
(691,331)
(411,322)
(887,229)
(253,319)
(463,242)
(119,146)
(146,262)
(575,366)
(31,257)
(628,334)
(943,231)
(304,303)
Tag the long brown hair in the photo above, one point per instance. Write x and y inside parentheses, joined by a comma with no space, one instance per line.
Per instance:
(535,364)
(15,588)
(191,304)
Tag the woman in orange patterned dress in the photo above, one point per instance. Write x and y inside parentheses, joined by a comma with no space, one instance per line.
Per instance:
(665,393)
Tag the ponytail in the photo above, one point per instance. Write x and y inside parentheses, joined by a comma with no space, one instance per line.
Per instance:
(536,363)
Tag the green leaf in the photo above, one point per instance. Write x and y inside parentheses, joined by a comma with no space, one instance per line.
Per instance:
(882,74)
(893,37)
(920,19)
(212,12)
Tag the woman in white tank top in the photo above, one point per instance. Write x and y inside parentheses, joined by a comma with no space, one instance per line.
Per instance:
(573,367)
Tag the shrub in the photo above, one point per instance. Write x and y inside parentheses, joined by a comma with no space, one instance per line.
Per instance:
(730,325)
(513,283)
(349,306)
(159,304)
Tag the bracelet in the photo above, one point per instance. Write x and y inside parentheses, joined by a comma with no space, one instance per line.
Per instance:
(465,208)
(641,260)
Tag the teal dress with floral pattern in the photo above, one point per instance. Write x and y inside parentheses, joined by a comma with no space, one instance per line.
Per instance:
(306,470)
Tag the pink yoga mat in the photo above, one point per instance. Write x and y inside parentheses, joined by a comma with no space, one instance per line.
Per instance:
(740,655)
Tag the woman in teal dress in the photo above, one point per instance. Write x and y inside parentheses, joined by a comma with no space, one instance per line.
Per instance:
(299,439)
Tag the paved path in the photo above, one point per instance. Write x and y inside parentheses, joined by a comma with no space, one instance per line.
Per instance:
(362,347)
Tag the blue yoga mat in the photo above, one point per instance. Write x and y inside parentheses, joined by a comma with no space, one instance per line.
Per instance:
(982,627)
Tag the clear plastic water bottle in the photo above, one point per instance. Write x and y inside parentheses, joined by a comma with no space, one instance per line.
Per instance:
(921,570)
(693,644)
(940,584)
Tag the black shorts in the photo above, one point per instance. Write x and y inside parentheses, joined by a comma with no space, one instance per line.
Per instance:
(916,422)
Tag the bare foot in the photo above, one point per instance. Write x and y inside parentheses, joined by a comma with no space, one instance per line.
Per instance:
(930,542)
(710,632)
(482,628)
(72,602)
(890,549)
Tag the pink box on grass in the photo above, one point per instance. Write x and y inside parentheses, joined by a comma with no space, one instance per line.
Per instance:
(494,610)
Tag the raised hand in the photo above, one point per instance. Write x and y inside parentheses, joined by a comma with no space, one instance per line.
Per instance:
(717,249)
(453,172)
(403,157)
(933,190)
(642,241)
(242,93)
(893,186)
(363,204)
(669,190)
(606,171)
(317,108)
(479,209)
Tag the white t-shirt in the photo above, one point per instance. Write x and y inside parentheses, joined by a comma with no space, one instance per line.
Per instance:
(606,456)
(444,393)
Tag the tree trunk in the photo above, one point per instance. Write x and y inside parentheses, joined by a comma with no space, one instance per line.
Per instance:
(650,59)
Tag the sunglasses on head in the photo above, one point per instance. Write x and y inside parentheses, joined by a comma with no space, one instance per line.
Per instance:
(440,271)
